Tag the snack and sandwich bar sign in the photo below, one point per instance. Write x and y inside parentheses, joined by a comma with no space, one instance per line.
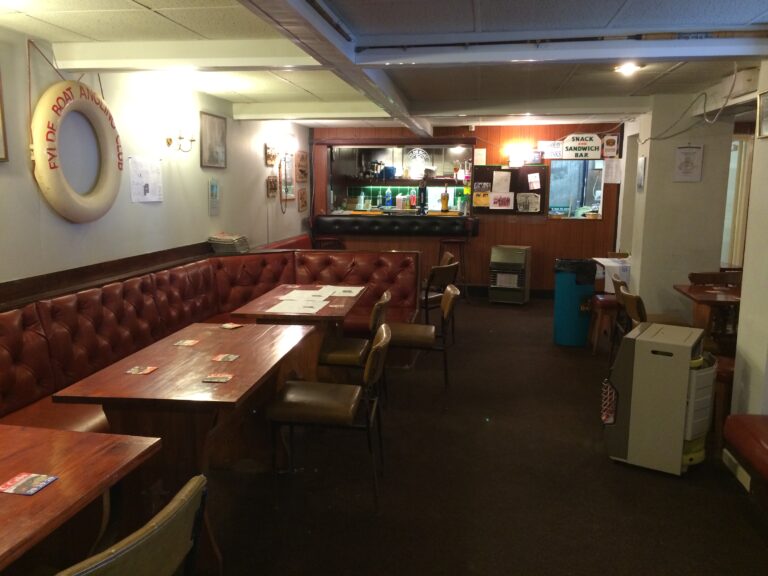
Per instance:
(582,147)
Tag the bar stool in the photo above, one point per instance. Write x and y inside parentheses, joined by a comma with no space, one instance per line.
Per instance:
(604,308)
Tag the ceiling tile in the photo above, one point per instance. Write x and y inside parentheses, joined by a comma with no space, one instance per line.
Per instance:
(524,15)
(685,14)
(35,28)
(222,23)
(76,5)
(165,4)
(122,25)
(369,17)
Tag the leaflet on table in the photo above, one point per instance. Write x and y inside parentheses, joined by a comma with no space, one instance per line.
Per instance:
(298,306)
(308,295)
(346,290)
(26,483)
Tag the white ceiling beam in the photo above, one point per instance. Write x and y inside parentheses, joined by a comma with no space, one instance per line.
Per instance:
(567,106)
(587,51)
(273,53)
(306,110)
(321,40)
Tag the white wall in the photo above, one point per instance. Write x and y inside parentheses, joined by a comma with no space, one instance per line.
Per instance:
(750,385)
(678,225)
(147,108)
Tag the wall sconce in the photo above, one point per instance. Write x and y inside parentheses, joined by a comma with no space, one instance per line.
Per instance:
(519,153)
(180,143)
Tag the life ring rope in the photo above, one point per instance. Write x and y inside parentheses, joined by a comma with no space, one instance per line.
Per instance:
(58,101)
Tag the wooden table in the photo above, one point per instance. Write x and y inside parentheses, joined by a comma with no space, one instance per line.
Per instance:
(197,421)
(86,463)
(705,297)
(332,314)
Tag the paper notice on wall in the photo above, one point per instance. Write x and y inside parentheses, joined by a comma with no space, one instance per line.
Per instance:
(501,181)
(534,182)
(529,202)
(479,156)
(612,171)
(146,180)
(501,201)
(688,163)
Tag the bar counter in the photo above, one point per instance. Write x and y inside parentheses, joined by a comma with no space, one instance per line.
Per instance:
(376,223)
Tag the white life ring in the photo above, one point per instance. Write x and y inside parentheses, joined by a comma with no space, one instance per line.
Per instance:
(59,100)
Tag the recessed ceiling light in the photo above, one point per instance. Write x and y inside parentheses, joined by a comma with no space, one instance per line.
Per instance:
(461,115)
(627,69)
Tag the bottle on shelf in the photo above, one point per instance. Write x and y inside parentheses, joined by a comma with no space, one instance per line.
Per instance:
(388,197)
(444,199)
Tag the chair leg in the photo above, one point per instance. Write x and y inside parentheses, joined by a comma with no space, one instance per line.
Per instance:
(290,448)
(597,330)
(373,465)
(445,366)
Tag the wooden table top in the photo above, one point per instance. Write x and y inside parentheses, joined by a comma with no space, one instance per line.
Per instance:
(86,464)
(333,312)
(181,369)
(711,295)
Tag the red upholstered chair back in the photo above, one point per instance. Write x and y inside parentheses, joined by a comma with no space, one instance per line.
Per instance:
(26,373)
(94,328)
(240,279)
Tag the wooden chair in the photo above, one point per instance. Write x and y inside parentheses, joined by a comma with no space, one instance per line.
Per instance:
(635,309)
(447,258)
(731,278)
(618,254)
(162,546)
(439,278)
(426,336)
(332,405)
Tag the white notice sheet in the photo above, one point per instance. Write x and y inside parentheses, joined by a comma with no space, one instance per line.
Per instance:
(298,306)
(305,295)
(346,290)
(501,181)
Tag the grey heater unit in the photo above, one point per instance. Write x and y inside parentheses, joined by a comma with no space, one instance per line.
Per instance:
(510,274)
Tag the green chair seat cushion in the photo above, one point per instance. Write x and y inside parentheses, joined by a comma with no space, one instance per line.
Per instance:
(412,335)
(344,351)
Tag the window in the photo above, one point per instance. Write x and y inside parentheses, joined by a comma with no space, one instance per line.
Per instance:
(575,188)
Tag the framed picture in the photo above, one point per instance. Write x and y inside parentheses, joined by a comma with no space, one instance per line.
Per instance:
(640,181)
(270,155)
(762,114)
(302,170)
(214,195)
(3,141)
(213,141)
(271,186)
(301,196)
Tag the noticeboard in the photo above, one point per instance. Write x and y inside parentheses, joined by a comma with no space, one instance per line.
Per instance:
(499,190)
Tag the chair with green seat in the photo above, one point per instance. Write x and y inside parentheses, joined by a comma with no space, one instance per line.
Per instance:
(426,336)
(332,405)
(353,352)
(162,547)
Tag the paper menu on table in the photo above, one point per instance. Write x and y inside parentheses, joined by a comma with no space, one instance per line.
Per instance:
(306,295)
(298,306)
(346,290)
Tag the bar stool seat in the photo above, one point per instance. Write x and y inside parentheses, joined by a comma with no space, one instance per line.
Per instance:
(605,307)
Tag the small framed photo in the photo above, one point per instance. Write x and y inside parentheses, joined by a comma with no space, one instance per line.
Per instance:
(762,114)
(270,155)
(302,170)
(213,141)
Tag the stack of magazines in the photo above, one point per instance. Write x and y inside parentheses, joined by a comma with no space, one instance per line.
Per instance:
(224,243)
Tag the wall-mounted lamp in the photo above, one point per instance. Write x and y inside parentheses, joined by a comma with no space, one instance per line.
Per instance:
(519,153)
(180,143)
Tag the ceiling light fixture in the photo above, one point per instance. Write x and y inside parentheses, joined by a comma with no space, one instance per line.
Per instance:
(628,68)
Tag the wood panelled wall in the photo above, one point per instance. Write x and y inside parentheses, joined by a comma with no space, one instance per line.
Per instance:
(549,238)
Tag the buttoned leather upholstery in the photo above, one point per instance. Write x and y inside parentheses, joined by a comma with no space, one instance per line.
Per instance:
(377,271)
(240,279)
(55,342)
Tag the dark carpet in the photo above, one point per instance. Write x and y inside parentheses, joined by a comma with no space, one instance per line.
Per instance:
(506,474)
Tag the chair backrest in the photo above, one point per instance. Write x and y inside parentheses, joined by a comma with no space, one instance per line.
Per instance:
(441,276)
(618,283)
(618,254)
(731,278)
(634,306)
(379,312)
(447,258)
(374,365)
(160,547)
(448,303)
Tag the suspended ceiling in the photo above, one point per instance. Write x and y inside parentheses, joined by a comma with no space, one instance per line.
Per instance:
(418,63)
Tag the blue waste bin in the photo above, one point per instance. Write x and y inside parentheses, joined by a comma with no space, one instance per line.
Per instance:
(574,287)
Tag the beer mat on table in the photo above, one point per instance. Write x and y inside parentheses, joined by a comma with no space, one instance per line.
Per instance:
(218,377)
(26,483)
(231,326)
(225,357)
(141,370)
(186,342)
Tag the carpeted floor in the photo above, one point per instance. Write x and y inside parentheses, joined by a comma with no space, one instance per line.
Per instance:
(505,475)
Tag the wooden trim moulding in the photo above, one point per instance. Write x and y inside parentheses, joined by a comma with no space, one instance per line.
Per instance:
(18,293)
